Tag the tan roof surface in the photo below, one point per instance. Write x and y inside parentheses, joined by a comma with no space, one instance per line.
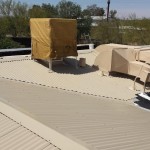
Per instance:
(96,123)
(60,106)
(82,80)
(14,136)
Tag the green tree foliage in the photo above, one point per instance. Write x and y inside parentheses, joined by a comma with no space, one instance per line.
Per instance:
(3,27)
(113,14)
(6,43)
(37,12)
(130,31)
(50,10)
(86,22)
(68,9)
(107,32)
(84,25)
(15,16)
(20,19)
(5,12)
(44,11)
(6,7)
(14,20)
(94,10)
(135,31)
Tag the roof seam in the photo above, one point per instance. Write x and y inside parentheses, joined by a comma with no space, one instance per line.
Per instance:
(55,87)
(49,145)
(46,146)
(14,60)
(11,130)
(26,129)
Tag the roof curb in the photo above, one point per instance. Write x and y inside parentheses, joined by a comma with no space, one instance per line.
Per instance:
(57,139)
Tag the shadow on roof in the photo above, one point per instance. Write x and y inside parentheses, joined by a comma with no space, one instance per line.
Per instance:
(142,102)
(122,75)
(68,67)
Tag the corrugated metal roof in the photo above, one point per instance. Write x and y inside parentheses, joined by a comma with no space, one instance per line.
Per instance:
(14,136)
(99,123)
(95,123)
(26,70)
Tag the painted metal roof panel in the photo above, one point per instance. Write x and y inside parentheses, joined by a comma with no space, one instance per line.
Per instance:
(26,70)
(14,136)
(97,122)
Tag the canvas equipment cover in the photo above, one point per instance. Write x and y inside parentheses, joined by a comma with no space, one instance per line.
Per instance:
(53,38)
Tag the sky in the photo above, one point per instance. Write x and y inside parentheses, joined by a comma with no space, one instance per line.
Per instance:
(124,8)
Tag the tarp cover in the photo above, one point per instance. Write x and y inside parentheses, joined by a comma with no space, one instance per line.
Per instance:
(53,38)
(112,58)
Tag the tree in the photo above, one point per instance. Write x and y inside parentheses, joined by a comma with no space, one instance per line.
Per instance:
(20,19)
(108,32)
(20,10)
(136,31)
(15,16)
(84,25)
(68,9)
(6,7)
(6,43)
(94,10)
(3,27)
(50,10)
(113,14)
(37,12)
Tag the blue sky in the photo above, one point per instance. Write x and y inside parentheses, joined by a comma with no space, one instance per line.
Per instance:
(123,7)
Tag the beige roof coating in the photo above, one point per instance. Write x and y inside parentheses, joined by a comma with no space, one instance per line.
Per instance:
(84,121)
(25,119)
(14,136)
(122,59)
(96,123)
(83,80)
(142,52)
